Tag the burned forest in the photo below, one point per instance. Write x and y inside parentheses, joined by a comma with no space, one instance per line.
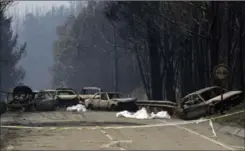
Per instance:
(156,50)
(166,49)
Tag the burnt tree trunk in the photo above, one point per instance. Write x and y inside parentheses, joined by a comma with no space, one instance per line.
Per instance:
(215,38)
(155,60)
(241,37)
(229,44)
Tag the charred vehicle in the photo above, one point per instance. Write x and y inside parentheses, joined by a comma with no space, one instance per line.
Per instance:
(111,101)
(66,97)
(207,101)
(45,100)
(21,98)
(88,92)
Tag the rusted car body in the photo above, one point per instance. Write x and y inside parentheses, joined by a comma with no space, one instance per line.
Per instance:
(111,101)
(207,101)
(88,92)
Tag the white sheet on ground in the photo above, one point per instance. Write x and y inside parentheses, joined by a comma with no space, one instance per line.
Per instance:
(142,114)
(78,108)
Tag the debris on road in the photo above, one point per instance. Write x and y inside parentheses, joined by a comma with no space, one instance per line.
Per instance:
(143,114)
(78,108)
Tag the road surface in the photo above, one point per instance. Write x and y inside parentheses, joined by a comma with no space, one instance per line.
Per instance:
(103,131)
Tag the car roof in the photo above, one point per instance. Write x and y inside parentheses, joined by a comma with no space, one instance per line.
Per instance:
(110,92)
(201,90)
(64,89)
(49,90)
(68,90)
(91,88)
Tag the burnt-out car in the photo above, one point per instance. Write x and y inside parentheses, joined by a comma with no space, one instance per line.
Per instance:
(66,97)
(88,92)
(21,98)
(44,100)
(207,101)
(111,101)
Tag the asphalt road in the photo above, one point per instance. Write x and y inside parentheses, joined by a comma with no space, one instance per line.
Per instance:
(103,131)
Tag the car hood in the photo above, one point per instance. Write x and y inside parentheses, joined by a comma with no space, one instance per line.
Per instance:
(225,96)
(86,96)
(66,96)
(124,99)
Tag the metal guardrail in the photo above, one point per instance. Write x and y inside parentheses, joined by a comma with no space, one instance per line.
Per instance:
(156,103)
(151,105)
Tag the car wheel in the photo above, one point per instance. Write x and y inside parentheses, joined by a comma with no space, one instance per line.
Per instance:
(28,108)
(54,107)
(90,107)
(113,107)
(222,111)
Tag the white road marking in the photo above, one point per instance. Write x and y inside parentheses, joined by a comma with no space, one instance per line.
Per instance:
(238,147)
(107,135)
(203,136)
(10,147)
(115,143)
(66,128)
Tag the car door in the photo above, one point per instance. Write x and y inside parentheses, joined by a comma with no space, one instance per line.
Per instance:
(96,100)
(195,107)
(104,101)
(39,101)
(200,106)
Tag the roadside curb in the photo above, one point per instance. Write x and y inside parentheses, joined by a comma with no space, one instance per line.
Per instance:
(239,132)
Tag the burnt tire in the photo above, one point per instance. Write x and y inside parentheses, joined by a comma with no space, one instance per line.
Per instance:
(29,108)
(54,108)
(113,107)
(90,107)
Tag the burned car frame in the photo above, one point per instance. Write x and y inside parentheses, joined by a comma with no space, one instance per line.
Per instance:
(66,97)
(207,101)
(111,101)
(21,98)
(88,92)
(44,100)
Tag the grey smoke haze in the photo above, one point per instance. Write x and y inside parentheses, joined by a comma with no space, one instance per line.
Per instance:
(29,6)
(39,36)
